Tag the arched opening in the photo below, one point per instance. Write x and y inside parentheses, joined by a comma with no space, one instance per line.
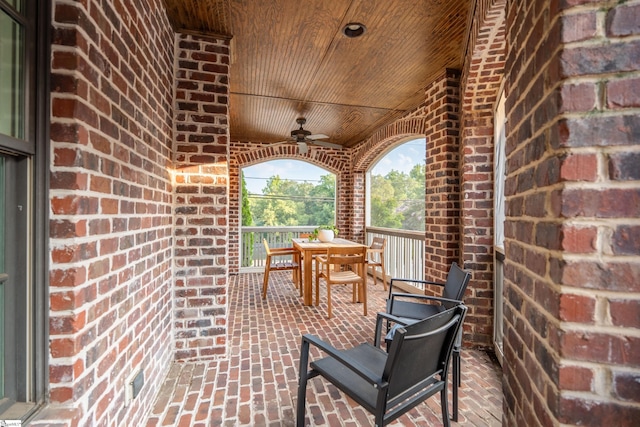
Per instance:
(395,183)
(280,200)
(395,206)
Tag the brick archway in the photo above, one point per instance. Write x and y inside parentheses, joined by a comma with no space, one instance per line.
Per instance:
(387,138)
(243,154)
(368,152)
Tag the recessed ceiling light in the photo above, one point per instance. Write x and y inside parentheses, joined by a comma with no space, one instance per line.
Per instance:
(354,29)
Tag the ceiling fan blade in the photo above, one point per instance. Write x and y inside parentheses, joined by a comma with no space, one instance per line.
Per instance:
(303,148)
(328,144)
(286,141)
(317,136)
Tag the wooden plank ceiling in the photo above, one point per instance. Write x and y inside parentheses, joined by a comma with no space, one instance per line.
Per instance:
(290,59)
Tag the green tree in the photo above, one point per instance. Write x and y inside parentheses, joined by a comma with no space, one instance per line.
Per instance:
(321,206)
(280,203)
(397,199)
(292,203)
(384,203)
(414,208)
(247,220)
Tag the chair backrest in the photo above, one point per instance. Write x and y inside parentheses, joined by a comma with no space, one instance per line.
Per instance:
(346,255)
(266,246)
(456,285)
(420,351)
(378,243)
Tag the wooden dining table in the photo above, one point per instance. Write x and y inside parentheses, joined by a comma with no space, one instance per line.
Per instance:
(308,249)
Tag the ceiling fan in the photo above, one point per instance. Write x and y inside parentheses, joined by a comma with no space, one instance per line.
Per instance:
(303,137)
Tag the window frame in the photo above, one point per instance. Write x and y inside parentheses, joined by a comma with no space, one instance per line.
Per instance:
(31,156)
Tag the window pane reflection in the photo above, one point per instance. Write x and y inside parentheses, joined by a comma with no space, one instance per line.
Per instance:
(17,4)
(11,77)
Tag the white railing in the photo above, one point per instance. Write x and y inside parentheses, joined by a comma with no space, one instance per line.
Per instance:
(252,253)
(403,253)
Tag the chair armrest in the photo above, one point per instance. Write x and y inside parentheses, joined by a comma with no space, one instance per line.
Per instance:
(395,295)
(401,320)
(283,251)
(342,357)
(371,254)
(424,298)
(421,282)
(385,316)
(321,258)
(321,262)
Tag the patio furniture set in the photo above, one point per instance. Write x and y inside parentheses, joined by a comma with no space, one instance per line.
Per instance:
(421,334)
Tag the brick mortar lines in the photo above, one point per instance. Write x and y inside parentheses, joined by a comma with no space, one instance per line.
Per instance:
(158,283)
(202,305)
(82,76)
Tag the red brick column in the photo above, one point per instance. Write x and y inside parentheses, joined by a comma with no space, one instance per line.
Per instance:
(201,197)
(442,216)
(572,276)
(110,210)
(350,204)
(482,78)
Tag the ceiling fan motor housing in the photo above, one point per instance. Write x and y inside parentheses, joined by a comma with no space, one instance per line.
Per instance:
(300,134)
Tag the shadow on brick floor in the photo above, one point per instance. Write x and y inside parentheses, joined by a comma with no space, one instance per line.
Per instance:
(256,384)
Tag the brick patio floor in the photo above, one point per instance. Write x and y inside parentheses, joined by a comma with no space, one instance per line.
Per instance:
(256,384)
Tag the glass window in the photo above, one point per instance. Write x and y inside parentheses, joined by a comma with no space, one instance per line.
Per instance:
(12,76)
(3,275)
(499,140)
(14,287)
(16,4)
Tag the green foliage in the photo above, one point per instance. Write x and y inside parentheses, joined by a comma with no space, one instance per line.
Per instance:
(314,234)
(293,203)
(398,199)
(384,203)
(247,220)
(321,209)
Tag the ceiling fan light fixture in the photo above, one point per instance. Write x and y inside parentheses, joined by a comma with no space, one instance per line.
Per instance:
(354,29)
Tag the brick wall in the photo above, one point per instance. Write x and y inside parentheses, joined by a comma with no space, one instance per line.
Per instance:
(573,201)
(110,218)
(201,208)
(437,120)
(442,216)
(481,83)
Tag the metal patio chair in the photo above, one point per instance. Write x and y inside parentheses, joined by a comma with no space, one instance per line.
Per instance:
(388,384)
(412,307)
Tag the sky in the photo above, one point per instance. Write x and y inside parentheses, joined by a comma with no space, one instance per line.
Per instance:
(401,159)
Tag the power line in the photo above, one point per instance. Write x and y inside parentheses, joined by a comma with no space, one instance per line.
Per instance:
(286,197)
(283,179)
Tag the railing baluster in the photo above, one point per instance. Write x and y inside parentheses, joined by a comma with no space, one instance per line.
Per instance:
(404,255)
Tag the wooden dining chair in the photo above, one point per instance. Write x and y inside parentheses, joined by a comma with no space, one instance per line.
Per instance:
(275,262)
(343,265)
(375,259)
